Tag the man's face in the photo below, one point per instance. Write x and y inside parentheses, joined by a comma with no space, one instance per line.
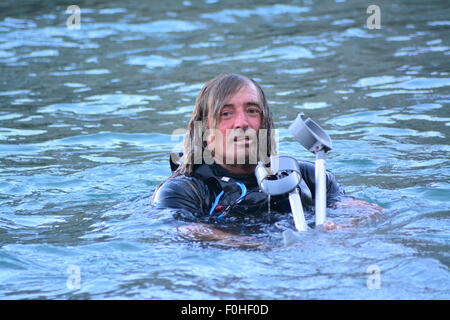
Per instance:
(234,141)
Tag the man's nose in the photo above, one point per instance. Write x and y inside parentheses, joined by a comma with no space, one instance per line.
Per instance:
(240,120)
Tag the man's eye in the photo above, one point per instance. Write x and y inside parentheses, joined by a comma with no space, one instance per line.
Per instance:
(253,110)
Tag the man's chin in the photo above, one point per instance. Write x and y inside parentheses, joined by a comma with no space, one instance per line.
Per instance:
(242,159)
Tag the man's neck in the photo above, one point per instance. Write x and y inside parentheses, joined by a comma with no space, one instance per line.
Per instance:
(239,168)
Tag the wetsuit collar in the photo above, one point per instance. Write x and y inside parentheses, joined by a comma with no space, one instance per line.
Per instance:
(247,179)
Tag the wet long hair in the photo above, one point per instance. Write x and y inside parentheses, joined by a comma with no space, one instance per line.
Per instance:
(209,102)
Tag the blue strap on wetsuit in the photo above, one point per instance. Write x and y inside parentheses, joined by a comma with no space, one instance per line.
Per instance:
(225,212)
(216,202)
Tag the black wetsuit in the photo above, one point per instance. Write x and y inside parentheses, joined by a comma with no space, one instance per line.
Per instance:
(200,195)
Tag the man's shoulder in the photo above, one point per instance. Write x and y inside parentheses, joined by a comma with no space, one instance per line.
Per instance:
(307,168)
(182,192)
(180,183)
(305,164)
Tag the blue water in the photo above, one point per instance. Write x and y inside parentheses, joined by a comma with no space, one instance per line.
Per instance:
(88,117)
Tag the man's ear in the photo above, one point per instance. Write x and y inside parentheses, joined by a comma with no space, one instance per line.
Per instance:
(209,150)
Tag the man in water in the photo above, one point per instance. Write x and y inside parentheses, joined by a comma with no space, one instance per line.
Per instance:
(230,131)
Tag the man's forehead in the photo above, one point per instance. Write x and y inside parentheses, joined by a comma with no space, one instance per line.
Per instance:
(249,93)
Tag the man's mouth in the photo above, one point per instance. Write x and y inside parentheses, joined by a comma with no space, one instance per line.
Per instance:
(242,139)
